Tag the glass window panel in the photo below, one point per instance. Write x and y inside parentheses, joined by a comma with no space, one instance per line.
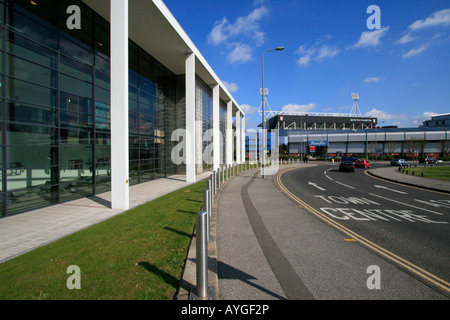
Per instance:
(77,51)
(75,69)
(31,156)
(32,29)
(74,136)
(102,80)
(26,92)
(31,50)
(133,93)
(75,86)
(102,95)
(25,70)
(74,103)
(102,64)
(23,135)
(17,111)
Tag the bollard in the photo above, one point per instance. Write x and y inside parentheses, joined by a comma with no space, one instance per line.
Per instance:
(207,209)
(210,185)
(216,181)
(213,186)
(202,256)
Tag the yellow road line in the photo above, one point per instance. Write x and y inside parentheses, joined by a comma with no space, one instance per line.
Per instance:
(385,253)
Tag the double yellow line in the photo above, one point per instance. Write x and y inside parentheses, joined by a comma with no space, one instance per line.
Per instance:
(440,283)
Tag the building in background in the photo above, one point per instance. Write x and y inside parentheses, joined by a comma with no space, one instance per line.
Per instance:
(440,120)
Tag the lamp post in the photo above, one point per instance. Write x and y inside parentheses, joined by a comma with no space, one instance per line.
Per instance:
(264,112)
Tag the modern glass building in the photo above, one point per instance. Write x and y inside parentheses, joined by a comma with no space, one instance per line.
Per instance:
(56,128)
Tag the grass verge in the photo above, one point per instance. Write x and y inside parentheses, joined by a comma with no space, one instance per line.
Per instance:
(442,173)
(139,254)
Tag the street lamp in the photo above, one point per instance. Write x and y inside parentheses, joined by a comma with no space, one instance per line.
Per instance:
(264,112)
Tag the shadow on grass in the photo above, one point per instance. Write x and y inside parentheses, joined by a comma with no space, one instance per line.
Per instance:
(181,233)
(169,279)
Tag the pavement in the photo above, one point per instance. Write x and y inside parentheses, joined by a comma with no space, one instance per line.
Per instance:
(27,231)
(266,247)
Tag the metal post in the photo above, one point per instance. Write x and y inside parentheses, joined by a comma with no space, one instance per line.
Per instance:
(213,185)
(210,186)
(207,209)
(202,256)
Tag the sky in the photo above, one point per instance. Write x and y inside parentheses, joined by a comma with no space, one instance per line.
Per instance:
(396,56)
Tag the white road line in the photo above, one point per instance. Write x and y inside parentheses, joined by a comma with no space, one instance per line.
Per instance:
(345,185)
(315,185)
(383,187)
(406,204)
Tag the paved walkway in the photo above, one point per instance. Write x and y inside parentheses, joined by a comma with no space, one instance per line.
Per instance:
(26,231)
(267,248)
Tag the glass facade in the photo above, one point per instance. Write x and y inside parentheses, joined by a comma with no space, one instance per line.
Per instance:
(55,98)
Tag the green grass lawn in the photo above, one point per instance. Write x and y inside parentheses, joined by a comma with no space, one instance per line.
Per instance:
(442,173)
(139,254)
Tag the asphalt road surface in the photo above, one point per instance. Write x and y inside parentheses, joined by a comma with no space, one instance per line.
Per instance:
(410,227)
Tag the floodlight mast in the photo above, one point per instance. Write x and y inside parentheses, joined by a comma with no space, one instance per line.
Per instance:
(264,112)
(355,110)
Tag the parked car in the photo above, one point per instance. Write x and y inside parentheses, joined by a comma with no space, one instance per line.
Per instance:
(399,162)
(362,164)
(428,160)
(347,166)
(351,158)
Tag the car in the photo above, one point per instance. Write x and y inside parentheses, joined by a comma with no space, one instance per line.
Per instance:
(352,158)
(399,162)
(347,166)
(362,164)
(428,160)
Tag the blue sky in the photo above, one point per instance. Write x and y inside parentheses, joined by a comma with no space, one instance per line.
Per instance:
(401,71)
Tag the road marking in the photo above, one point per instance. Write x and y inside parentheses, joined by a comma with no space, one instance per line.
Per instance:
(345,185)
(383,187)
(315,185)
(406,204)
(385,253)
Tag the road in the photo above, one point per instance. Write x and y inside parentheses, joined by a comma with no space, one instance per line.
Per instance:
(410,227)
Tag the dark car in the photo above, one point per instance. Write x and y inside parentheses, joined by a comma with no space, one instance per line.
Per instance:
(347,166)
(352,158)
(428,160)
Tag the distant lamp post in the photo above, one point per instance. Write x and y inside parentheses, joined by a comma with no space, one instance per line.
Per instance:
(264,112)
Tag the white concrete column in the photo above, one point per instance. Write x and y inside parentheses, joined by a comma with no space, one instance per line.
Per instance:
(229,134)
(243,140)
(120,198)
(238,136)
(190,118)
(216,126)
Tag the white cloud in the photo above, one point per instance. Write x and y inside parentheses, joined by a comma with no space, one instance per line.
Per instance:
(299,107)
(236,35)
(381,115)
(241,53)
(231,86)
(438,18)
(373,79)
(370,38)
(405,39)
(418,120)
(317,52)
(415,51)
(248,109)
